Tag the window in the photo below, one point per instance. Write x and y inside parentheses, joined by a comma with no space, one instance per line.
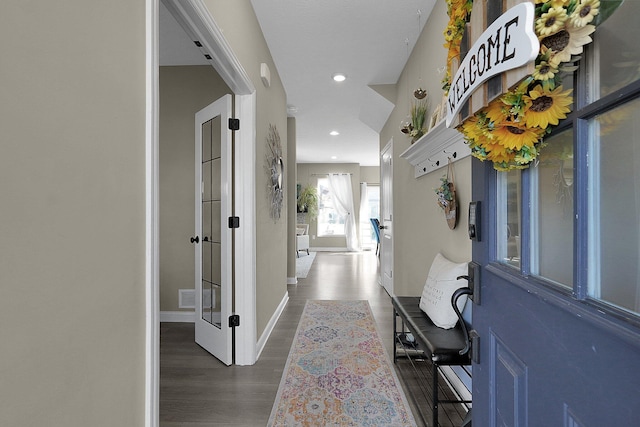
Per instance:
(573,219)
(329,222)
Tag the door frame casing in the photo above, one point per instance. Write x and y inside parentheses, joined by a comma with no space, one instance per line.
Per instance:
(196,19)
(386,198)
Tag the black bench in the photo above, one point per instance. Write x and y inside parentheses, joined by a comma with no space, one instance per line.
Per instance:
(443,347)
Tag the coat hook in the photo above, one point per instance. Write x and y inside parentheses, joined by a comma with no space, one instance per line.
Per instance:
(436,163)
(454,154)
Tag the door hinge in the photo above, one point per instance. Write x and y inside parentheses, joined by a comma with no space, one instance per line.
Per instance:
(475,346)
(234,222)
(234,124)
(234,320)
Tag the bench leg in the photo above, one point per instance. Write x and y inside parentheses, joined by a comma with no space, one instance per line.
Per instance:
(395,348)
(434,405)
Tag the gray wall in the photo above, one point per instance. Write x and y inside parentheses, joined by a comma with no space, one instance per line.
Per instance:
(72,184)
(183,92)
(241,29)
(72,216)
(370,174)
(420,230)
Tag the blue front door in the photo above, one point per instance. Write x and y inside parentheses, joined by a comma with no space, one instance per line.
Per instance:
(559,313)
(546,358)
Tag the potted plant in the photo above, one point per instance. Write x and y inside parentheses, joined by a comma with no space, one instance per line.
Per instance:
(416,126)
(308,201)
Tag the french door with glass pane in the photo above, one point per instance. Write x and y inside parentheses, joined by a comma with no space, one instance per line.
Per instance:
(213,246)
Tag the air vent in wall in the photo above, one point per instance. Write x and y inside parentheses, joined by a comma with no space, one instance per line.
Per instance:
(186,298)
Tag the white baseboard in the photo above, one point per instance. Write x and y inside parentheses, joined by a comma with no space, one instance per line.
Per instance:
(178,316)
(292,280)
(323,249)
(272,323)
(455,382)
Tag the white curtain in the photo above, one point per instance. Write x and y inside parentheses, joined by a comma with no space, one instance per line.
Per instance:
(365,223)
(340,186)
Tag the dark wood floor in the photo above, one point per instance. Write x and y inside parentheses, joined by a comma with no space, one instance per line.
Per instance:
(197,390)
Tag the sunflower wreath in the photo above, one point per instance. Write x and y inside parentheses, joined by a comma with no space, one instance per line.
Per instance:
(510,130)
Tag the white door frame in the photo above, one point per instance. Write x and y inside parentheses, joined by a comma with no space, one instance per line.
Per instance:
(386,205)
(198,22)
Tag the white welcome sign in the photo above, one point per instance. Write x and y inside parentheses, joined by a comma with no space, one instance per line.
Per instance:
(509,42)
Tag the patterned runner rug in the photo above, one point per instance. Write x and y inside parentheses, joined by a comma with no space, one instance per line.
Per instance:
(338,373)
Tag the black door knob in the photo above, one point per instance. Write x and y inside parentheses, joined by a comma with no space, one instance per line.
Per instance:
(195,239)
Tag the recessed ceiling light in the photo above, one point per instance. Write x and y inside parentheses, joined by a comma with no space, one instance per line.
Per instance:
(334,157)
(339,77)
(334,133)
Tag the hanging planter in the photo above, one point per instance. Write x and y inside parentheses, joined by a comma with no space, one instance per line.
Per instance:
(415,126)
(447,197)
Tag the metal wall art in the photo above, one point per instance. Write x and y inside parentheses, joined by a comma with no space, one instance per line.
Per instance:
(275,171)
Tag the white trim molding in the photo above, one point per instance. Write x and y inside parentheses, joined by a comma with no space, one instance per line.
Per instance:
(152,289)
(178,316)
(245,236)
(272,323)
(292,280)
(328,249)
(194,17)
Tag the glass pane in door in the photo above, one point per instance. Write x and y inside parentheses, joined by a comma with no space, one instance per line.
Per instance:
(211,222)
(509,218)
(552,230)
(615,199)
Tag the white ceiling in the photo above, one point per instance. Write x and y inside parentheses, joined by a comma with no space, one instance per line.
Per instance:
(310,40)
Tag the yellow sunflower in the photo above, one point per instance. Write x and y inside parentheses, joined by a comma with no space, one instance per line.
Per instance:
(546,106)
(549,56)
(515,135)
(557,3)
(450,33)
(472,129)
(498,153)
(545,71)
(567,42)
(553,3)
(551,22)
(497,111)
(584,12)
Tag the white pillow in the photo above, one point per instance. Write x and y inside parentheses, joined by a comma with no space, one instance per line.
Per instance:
(440,286)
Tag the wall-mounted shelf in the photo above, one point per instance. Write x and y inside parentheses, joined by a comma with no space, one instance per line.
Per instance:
(432,150)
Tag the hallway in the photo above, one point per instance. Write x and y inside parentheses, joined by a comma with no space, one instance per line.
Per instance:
(197,390)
